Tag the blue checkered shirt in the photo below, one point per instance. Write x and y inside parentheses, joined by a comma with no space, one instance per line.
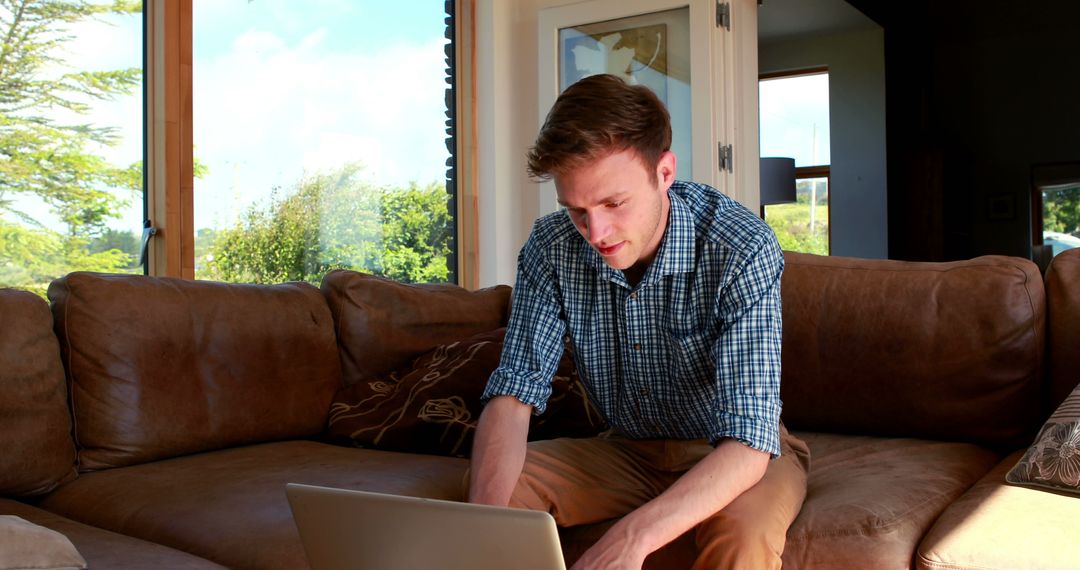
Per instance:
(693,351)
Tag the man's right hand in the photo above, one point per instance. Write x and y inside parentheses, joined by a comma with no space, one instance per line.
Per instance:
(498,450)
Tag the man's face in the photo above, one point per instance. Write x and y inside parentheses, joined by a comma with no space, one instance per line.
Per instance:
(618,206)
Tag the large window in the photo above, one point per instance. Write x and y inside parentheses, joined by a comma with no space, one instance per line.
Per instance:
(794,111)
(71,139)
(319,134)
(282,139)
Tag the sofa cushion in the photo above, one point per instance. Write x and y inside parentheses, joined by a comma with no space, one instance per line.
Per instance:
(103,549)
(229,506)
(161,367)
(24,544)
(1063,326)
(433,406)
(382,324)
(950,351)
(996,526)
(870,500)
(1053,461)
(35,427)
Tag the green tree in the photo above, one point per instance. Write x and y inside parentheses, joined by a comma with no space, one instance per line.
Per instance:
(337,220)
(52,160)
(1061,210)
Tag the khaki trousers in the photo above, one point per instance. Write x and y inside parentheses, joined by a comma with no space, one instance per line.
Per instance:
(583,481)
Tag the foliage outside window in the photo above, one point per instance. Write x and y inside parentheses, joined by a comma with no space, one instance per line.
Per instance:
(804,225)
(70,165)
(1061,217)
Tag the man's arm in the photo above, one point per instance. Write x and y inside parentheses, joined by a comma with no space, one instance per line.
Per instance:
(719,478)
(498,450)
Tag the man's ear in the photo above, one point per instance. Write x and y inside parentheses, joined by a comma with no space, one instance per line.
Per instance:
(665,169)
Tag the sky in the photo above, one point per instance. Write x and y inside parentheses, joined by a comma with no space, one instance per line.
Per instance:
(794,116)
(283,89)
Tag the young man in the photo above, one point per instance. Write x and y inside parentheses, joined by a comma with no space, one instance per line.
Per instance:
(669,293)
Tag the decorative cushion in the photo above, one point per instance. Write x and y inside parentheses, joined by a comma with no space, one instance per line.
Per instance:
(1053,461)
(433,406)
(27,545)
(382,325)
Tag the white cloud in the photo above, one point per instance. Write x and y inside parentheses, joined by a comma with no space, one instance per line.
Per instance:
(266,112)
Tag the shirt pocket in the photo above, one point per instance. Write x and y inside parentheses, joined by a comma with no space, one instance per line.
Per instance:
(692,362)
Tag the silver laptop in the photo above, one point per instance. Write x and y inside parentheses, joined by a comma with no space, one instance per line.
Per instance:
(343,529)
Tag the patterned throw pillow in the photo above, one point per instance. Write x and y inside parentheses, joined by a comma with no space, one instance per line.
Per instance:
(1053,461)
(433,407)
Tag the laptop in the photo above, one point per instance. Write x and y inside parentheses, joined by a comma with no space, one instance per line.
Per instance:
(344,529)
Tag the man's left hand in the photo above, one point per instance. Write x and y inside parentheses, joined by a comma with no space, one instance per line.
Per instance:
(616,550)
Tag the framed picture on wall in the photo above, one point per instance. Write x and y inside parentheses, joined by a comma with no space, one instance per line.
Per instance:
(637,55)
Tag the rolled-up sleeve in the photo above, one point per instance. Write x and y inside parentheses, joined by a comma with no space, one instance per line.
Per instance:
(747,351)
(534,336)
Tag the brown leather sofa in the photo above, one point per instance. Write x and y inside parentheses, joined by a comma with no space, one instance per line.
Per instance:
(155,422)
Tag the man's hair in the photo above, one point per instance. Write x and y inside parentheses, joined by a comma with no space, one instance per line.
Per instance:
(595,117)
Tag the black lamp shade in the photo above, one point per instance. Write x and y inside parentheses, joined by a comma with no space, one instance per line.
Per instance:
(777,181)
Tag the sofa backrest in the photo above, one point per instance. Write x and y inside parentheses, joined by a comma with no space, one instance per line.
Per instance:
(160,367)
(382,325)
(1063,326)
(36,450)
(950,351)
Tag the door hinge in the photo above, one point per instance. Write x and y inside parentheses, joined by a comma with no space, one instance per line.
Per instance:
(723,15)
(727,162)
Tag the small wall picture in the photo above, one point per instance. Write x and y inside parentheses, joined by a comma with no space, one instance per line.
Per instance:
(1001,207)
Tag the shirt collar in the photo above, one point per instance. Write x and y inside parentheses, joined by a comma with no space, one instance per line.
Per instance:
(676,252)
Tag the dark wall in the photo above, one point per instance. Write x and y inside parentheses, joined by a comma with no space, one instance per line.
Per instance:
(977,93)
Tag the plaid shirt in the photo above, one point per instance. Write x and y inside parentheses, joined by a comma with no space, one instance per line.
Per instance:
(693,351)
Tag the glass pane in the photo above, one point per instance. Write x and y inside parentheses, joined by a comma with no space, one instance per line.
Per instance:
(71,140)
(320,140)
(795,118)
(651,49)
(1061,217)
(804,225)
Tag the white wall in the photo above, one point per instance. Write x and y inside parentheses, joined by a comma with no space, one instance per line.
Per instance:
(856,60)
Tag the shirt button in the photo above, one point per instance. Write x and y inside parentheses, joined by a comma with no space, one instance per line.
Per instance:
(633,295)
(644,392)
(637,346)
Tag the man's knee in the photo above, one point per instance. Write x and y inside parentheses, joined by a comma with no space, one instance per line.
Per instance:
(727,540)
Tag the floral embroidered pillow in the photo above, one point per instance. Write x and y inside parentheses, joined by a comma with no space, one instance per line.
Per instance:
(433,406)
(1053,461)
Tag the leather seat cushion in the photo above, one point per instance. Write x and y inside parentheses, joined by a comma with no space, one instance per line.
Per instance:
(230,505)
(103,549)
(996,526)
(869,500)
